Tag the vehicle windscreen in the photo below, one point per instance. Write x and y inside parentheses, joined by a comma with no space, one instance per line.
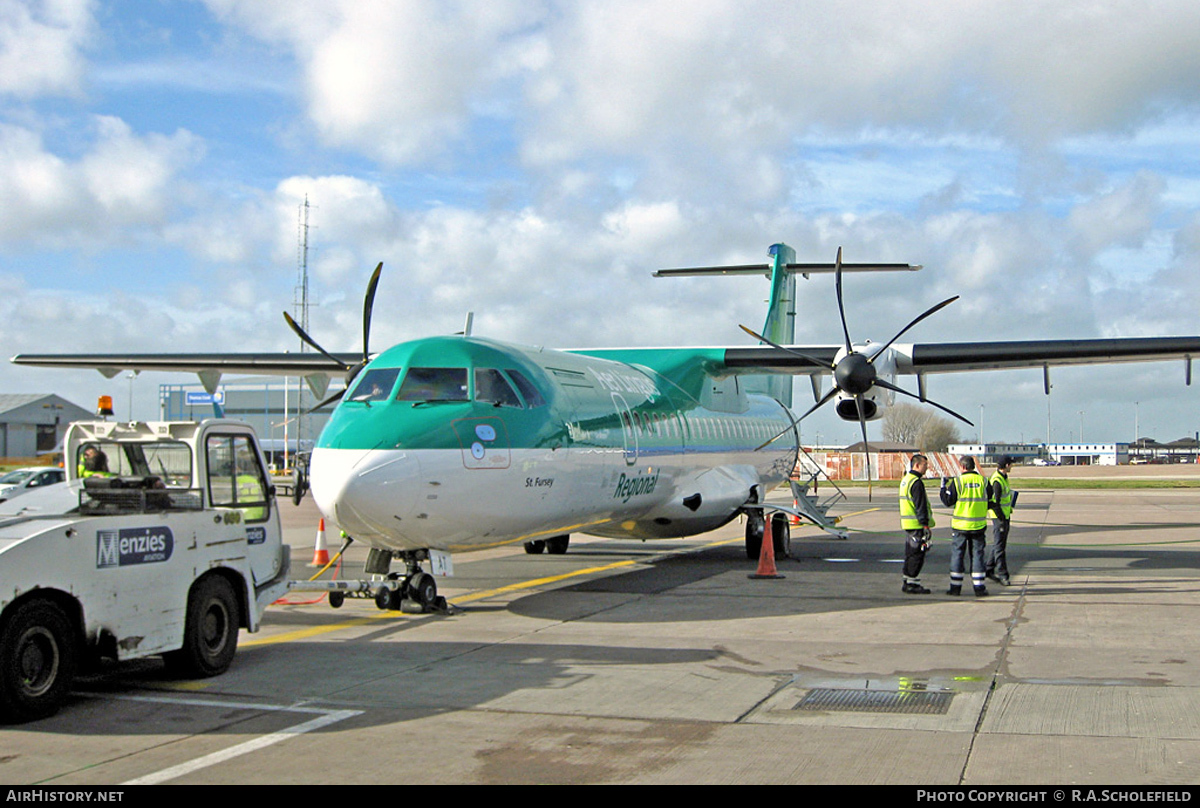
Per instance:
(170,461)
(434,384)
(14,477)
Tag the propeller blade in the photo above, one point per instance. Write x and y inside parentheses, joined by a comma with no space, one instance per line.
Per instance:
(368,305)
(806,357)
(862,421)
(939,306)
(311,342)
(890,386)
(837,272)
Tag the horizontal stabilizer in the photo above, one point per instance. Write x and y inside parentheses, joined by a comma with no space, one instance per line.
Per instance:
(794,269)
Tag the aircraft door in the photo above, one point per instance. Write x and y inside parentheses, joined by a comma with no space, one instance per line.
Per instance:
(628,428)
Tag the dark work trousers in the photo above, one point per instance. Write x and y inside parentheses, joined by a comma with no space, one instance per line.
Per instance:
(962,543)
(997,558)
(914,556)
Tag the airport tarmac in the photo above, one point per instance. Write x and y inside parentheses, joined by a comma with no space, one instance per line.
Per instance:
(623,662)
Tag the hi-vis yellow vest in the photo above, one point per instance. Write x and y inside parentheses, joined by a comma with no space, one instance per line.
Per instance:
(970,511)
(908,511)
(1005,493)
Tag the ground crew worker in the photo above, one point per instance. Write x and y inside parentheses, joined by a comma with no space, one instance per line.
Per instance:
(1001,501)
(968,495)
(94,463)
(250,488)
(916,519)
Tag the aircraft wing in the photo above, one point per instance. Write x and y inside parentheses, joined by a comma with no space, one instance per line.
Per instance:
(950,357)
(315,368)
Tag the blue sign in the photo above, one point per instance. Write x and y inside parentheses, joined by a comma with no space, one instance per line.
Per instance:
(197,399)
(256,535)
(138,545)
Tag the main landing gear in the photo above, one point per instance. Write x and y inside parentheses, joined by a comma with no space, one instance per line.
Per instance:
(781,534)
(555,545)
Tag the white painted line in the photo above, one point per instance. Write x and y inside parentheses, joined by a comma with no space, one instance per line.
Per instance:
(324,718)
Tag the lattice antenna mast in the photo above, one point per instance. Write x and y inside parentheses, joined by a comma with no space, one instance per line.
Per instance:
(300,301)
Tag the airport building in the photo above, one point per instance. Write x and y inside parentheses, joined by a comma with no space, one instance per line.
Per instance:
(1058,454)
(33,424)
(275,406)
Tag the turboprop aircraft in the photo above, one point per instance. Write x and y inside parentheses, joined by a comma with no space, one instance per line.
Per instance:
(453,442)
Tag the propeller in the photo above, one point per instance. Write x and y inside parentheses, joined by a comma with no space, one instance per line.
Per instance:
(855,373)
(351,370)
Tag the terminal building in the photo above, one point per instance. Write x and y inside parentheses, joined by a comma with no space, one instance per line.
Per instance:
(275,406)
(1058,454)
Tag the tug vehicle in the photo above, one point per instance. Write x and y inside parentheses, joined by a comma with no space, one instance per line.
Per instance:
(165,540)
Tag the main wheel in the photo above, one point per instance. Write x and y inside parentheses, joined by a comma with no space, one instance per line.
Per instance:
(558,545)
(535,547)
(781,536)
(210,633)
(754,534)
(38,655)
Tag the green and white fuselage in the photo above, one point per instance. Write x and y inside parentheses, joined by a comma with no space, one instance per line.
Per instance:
(455,442)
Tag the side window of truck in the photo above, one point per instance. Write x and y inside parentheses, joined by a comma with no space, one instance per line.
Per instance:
(235,477)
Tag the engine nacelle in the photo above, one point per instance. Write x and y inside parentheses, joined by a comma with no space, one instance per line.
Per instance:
(875,400)
(847,408)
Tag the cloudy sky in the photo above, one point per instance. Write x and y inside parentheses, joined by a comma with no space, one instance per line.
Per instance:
(534,162)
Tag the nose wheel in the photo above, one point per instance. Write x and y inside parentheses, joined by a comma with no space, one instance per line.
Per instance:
(414,592)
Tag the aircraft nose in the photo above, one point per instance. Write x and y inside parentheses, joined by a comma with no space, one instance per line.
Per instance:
(368,493)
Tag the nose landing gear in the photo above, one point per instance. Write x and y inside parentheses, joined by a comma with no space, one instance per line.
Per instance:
(413,592)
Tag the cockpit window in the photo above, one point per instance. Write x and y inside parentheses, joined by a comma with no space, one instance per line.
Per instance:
(376,385)
(492,388)
(532,397)
(434,384)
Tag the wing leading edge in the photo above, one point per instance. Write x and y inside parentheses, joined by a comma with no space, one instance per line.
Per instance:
(317,370)
(952,357)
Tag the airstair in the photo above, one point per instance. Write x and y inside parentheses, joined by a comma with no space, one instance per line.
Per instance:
(805,484)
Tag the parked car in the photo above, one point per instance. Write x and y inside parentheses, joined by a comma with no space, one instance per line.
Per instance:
(20,481)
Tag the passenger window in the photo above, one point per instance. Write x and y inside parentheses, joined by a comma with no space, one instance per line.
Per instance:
(530,393)
(376,385)
(434,384)
(492,388)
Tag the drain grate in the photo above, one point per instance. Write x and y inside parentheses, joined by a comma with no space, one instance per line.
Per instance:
(827,699)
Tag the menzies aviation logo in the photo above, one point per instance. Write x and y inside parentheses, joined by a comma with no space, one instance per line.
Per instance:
(137,545)
(635,486)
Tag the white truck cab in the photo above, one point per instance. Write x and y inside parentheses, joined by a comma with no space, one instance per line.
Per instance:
(165,540)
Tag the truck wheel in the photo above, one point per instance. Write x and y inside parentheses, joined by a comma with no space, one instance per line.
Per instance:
(37,661)
(210,634)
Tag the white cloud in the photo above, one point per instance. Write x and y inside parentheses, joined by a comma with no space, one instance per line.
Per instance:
(41,43)
(123,180)
(395,81)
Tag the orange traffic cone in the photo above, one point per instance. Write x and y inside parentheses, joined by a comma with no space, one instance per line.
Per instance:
(793,519)
(321,552)
(766,553)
